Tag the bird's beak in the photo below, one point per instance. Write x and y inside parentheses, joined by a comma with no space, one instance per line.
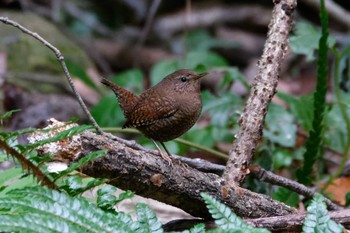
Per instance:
(201,75)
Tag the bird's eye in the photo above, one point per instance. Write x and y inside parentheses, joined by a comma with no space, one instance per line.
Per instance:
(183,79)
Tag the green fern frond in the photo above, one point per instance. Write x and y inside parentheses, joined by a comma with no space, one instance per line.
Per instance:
(28,165)
(314,143)
(56,212)
(27,224)
(90,157)
(317,218)
(59,136)
(199,228)
(225,218)
(147,220)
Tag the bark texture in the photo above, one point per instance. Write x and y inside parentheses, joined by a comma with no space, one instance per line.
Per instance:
(263,89)
(148,175)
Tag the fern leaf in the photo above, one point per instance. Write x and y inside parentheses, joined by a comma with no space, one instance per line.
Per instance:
(26,164)
(199,228)
(92,156)
(317,218)
(58,211)
(59,136)
(314,142)
(225,218)
(25,224)
(147,220)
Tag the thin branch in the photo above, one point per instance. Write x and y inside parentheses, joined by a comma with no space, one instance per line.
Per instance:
(149,21)
(263,89)
(293,223)
(60,58)
(287,223)
(261,175)
(269,177)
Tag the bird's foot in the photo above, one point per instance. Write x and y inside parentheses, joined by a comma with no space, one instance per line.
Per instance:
(166,157)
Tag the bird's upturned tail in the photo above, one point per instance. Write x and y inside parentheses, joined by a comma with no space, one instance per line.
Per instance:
(126,99)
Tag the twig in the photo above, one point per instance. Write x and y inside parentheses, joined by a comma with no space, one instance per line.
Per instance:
(60,58)
(263,89)
(287,223)
(293,223)
(261,175)
(269,177)
(149,21)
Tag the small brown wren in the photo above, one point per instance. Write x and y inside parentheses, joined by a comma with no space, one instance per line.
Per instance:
(166,110)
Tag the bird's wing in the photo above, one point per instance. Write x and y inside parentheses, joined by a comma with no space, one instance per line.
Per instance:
(150,110)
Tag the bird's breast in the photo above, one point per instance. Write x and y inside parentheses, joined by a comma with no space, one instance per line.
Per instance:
(169,128)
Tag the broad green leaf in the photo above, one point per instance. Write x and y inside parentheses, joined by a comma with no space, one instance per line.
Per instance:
(203,58)
(131,80)
(223,109)
(301,107)
(305,40)
(194,60)
(280,127)
(317,218)
(200,136)
(286,196)
(233,74)
(282,158)
(336,134)
(162,69)
(79,72)
(108,113)
(202,40)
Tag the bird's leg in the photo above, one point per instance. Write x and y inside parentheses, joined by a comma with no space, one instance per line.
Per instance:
(163,145)
(167,158)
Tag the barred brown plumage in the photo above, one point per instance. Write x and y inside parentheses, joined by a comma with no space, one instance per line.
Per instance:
(166,110)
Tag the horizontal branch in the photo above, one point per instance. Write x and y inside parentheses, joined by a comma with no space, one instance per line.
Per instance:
(130,167)
(261,175)
(293,223)
(287,223)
